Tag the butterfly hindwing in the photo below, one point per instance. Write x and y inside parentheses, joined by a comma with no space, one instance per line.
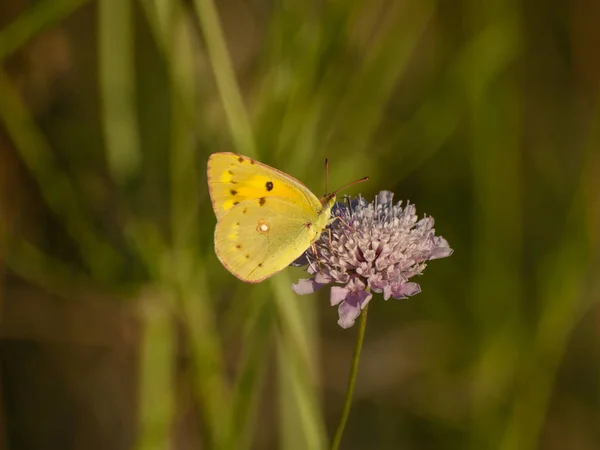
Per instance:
(234,178)
(259,237)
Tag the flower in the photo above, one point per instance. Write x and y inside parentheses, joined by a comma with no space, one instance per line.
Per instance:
(370,247)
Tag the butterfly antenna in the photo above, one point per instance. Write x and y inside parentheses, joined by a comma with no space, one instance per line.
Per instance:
(350,184)
(326,175)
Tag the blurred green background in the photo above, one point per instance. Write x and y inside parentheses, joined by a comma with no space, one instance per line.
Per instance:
(121,330)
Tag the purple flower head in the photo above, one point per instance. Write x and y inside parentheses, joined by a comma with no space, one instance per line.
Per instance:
(373,247)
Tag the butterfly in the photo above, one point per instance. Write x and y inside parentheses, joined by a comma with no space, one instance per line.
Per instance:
(266,218)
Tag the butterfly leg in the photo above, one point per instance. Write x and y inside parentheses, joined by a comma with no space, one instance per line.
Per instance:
(346,223)
(341,220)
(311,263)
(313,247)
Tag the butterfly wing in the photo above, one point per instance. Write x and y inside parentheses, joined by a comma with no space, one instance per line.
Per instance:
(259,237)
(234,178)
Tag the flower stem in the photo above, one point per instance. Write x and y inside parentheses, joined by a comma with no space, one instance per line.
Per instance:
(351,380)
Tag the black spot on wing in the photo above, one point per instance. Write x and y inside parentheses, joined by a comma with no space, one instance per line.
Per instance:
(259,264)
(239,246)
(233,192)
(240,159)
(269,186)
(262,201)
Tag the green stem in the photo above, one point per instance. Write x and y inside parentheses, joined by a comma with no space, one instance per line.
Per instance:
(351,380)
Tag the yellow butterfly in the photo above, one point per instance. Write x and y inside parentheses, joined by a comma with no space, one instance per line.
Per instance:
(265,218)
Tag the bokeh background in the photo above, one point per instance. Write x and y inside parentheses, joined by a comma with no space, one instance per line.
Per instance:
(120,329)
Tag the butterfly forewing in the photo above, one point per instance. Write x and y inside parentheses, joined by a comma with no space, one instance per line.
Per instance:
(257,238)
(233,179)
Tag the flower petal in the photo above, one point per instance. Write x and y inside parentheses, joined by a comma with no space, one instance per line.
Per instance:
(322,278)
(350,309)
(306,286)
(387,291)
(338,295)
(348,315)
(442,249)
(385,197)
(404,290)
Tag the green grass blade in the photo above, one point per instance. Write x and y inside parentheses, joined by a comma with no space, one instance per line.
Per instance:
(231,97)
(257,346)
(36,19)
(117,88)
(56,187)
(210,380)
(361,110)
(566,278)
(157,369)
(301,420)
